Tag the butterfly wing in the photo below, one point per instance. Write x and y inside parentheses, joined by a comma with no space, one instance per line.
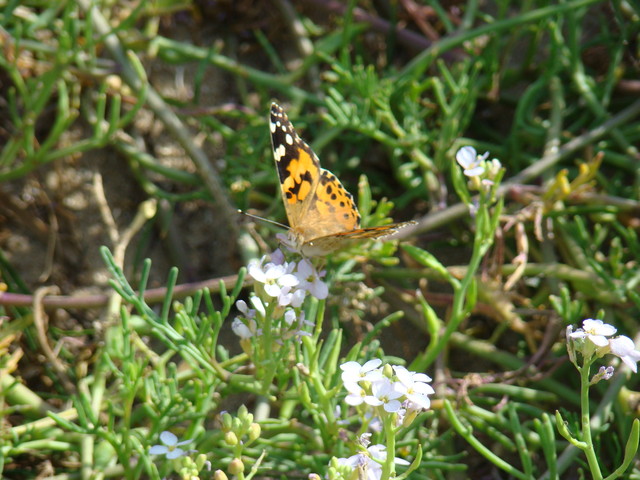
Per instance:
(328,243)
(374,232)
(315,201)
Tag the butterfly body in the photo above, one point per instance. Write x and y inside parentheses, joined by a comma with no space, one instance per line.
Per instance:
(322,214)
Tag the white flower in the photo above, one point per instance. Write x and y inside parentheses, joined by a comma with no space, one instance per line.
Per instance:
(171,448)
(385,394)
(354,372)
(596,331)
(414,386)
(369,463)
(470,161)
(624,348)
(310,280)
(274,277)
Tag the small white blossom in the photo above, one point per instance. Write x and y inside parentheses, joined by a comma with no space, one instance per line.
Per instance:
(414,386)
(310,280)
(471,162)
(274,277)
(624,348)
(384,394)
(171,448)
(354,372)
(596,331)
(366,463)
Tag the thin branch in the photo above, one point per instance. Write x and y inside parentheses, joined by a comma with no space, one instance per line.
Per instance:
(153,295)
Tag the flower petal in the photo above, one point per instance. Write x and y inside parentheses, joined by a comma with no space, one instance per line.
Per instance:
(168,438)
(159,450)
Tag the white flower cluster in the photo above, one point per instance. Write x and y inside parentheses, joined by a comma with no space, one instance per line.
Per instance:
(394,389)
(282,286)
(391,392)
(594,337)
(369,462)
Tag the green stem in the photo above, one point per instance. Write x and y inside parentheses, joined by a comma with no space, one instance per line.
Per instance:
(586,423)
(388,468)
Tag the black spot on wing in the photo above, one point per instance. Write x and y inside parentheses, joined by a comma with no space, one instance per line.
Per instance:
(295,190)
(288,147)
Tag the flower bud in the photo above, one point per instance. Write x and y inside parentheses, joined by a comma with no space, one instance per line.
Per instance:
(227,421)
(304,370)
(254,431)
(202,462)
(220,475)
(231,438)
(236,467)
(409,417)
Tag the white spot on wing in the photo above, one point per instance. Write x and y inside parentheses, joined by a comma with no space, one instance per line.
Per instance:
(279,152)
(288,139)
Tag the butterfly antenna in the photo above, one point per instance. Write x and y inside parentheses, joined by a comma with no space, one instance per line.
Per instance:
(256,217)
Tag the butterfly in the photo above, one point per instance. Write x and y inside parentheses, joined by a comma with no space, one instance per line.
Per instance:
(322,214)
